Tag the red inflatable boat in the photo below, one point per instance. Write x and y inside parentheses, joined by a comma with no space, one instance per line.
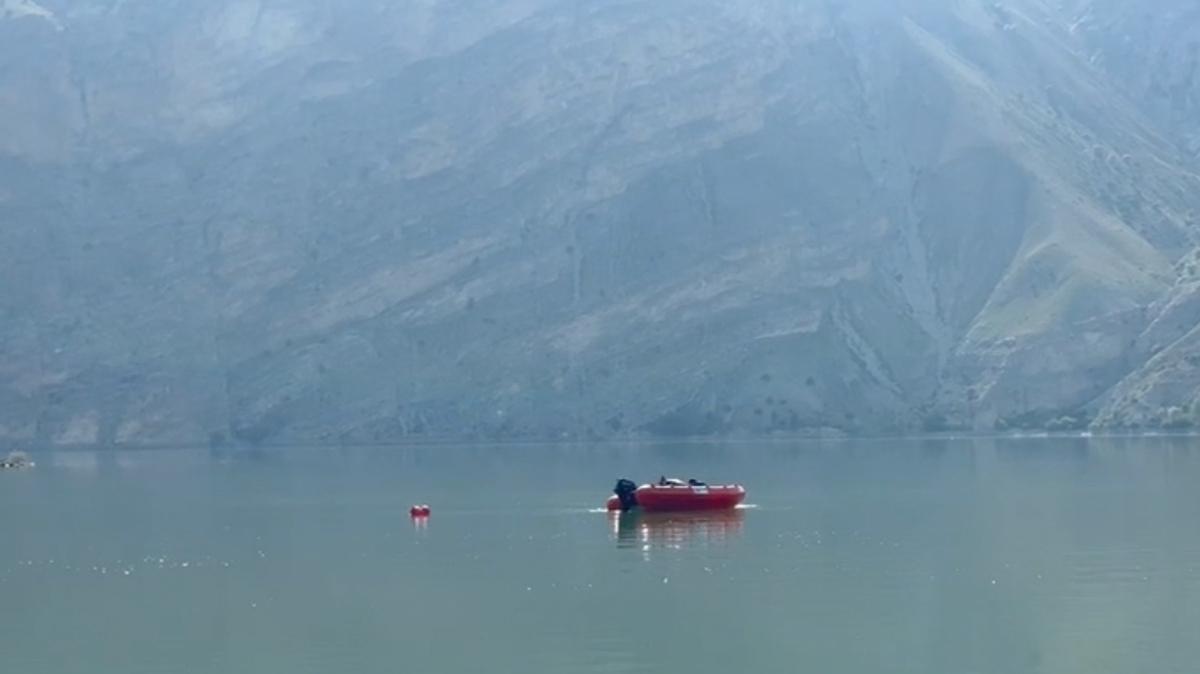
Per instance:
(680,497)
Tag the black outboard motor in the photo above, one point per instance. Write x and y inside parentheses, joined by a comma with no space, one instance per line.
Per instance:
(625,492)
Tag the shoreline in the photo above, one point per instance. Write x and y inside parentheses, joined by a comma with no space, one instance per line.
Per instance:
(433,443)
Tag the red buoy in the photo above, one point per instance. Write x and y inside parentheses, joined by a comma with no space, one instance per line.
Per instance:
(419,511)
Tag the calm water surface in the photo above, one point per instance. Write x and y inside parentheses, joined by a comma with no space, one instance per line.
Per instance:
(1055,556)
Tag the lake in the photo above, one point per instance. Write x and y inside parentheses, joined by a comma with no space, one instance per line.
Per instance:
(916,556)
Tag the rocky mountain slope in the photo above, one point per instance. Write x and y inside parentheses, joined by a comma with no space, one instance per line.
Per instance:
(277,221)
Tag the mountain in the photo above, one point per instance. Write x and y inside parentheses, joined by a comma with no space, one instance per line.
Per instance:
(290,221)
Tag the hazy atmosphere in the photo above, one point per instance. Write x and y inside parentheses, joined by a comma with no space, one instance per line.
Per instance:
(297,221)
(599,336)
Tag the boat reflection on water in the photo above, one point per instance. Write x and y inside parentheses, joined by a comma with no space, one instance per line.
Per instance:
(674,529)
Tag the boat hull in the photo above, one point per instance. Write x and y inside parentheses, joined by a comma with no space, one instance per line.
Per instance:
(672,498)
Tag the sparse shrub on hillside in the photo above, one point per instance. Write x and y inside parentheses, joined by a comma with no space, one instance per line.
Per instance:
(1045,420)
(1067,423)
(935,423)
(1177,418)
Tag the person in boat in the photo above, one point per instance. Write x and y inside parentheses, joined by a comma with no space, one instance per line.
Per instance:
(664,481)
(16,461)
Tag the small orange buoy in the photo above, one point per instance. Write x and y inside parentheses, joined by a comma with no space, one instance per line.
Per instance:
(419,511)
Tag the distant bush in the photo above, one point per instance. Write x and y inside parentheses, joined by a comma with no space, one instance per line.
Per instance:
(685,422)
(1067,423)
(1179,424)
(1045,420)
(935,423)
(1177,419)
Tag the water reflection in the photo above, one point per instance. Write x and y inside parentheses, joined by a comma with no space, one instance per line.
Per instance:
(896,557)
(675,530)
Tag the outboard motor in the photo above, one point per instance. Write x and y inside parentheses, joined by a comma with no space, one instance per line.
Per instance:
(625,493)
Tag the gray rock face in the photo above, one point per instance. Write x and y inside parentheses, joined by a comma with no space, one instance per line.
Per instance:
(298,221)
